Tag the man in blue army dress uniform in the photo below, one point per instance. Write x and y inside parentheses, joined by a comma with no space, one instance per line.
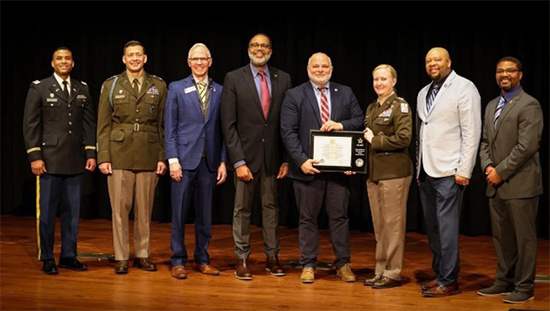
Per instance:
(59,134)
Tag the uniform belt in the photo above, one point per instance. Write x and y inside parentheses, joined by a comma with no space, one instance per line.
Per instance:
(136,127)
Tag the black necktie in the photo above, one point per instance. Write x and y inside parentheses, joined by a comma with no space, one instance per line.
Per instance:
(66,89)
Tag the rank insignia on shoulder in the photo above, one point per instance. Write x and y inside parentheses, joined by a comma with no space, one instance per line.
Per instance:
(157,77)
(404,108)
(36,82)
(83,82)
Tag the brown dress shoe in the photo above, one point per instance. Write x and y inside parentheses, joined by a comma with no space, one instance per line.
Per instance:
(273,266)
(207,269)
(428,285)
(242,272)
(386,282)
(441,291)
(178,272)
(121,267)
(144,264)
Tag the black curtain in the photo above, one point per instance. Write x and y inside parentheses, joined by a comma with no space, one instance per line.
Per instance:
(357,36)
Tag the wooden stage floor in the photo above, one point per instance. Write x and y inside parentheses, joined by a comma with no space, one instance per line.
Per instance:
(25,287)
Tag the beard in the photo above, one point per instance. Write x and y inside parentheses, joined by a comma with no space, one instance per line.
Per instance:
(320,80)
(259,61)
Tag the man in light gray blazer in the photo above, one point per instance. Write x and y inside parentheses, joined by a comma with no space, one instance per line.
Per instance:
(449,129)
(510,159)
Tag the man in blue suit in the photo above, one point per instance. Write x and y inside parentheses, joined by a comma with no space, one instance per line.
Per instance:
(196,154)
(328,106)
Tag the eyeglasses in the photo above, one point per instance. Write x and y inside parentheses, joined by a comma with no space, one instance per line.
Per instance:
(257,45)
(195,60)
(508,71)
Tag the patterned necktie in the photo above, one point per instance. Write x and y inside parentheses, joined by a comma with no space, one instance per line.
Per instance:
(66,89)
(266,98)
(136,86)
(498,111)
(202,97)
(431,97)
(324,106)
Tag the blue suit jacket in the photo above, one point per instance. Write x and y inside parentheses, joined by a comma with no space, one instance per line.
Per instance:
(187,132)
(300,114)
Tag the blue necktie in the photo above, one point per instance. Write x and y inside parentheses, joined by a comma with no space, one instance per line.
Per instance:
(431,97)
(498,111)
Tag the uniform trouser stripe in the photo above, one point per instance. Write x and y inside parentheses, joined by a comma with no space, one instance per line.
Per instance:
(38,216)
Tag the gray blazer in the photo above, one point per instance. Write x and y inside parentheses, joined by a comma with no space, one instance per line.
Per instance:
(512,147)
(449,135)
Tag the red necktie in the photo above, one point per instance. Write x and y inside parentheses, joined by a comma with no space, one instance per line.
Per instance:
(266,98)
(324,106)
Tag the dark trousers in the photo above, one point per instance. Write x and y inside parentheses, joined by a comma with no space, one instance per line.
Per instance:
(197,185)
(442,202)
(309,199)
(515,238)
(51,189)
(244,195)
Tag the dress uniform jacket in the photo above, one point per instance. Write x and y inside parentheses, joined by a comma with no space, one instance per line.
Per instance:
(391,124)
(58,130)
(130,130)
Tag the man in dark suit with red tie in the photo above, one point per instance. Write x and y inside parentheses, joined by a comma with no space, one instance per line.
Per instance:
(328,106)
(251,104)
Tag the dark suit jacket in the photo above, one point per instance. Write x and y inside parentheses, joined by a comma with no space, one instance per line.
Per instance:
(60,132)
(247,133)
(300,114)
(513,147)
(187,132)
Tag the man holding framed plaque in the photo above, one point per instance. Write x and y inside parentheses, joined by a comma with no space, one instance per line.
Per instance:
(327,106)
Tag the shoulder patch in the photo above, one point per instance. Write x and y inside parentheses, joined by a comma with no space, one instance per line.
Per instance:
(404,108)
(36,82)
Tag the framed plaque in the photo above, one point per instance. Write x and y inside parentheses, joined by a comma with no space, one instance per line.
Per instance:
(338,151)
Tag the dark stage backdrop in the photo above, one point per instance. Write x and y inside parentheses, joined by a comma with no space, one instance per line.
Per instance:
(357,36)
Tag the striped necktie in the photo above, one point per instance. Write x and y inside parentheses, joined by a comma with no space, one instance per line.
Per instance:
(431,97)
(324,106)
(498,111)
(203,97)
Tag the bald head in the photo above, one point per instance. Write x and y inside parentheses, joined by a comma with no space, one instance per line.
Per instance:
(438,63)
(319,69)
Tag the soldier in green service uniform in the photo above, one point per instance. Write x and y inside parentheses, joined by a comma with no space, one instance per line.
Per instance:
(131,151)
(388,130)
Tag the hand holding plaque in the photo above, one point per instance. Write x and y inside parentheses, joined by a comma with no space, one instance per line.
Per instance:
(338,151)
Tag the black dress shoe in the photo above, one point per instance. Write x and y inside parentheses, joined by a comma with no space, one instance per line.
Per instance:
(72,263)
(50,267)
(121,267)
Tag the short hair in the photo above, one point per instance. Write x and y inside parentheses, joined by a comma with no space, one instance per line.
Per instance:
(511,59)
(61,48)
(132,43)
(261,34)
(202,45)
(390,68)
